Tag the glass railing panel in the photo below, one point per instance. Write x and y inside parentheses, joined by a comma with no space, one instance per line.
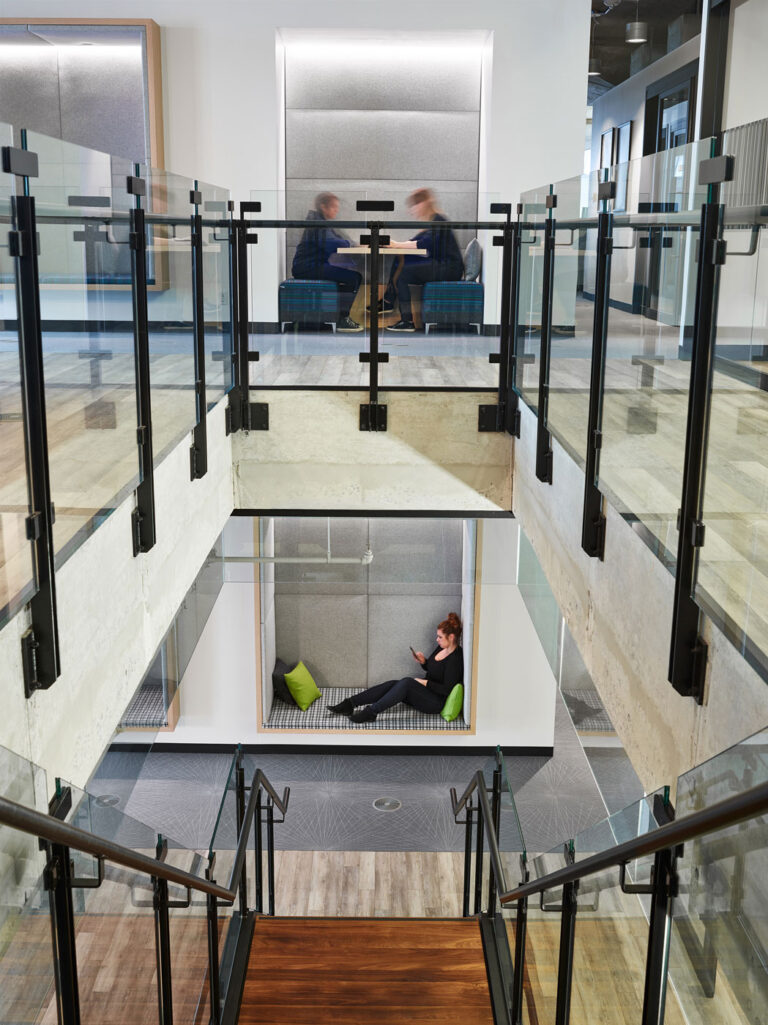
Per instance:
(733,771)
(308,291)
(86,308)
(170,308)
(650,325)
(534,214)
(450,289)
(217,294)
(731,582)
(573,303)
(220,859)
(115,924)
(17,574)
(27,993)
(540,602)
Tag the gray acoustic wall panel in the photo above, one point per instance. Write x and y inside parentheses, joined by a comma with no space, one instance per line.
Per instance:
(396,621)
(327,632)
(302,537)
(102,99)
(400,79)
(412,551)
(382,144)
(29,88)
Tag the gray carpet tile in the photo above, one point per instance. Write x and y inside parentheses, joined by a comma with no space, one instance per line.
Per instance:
(587,711)
(618,781)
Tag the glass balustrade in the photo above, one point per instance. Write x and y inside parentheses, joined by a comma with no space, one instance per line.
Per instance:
(535,213)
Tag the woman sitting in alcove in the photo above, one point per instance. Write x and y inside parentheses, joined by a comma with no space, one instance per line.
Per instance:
(442,671)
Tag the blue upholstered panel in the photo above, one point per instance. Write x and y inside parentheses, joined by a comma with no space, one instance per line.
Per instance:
(452,302)
(308,302)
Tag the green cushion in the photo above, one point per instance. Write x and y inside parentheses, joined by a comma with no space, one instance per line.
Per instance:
(453,705)
(302,687)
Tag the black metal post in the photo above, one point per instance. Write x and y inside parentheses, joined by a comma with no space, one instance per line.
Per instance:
(143,518)
(496,812)
(593,517)
(57,881)
(543,437)
(521,928)
(163,951)
(373,415)
(467,859)
(271,854)
(664,891)
(512,424)
(257,846)
(40,643)
(213,957)
(234,408)
(243,371)
(688,652)
(198,454)
(240,815)
(504,328)
(479,861)
(565,959)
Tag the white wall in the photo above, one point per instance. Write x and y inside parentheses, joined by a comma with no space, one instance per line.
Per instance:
(515,687)
(746,89)
(220,82)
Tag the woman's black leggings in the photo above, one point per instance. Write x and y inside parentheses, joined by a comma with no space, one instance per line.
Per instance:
(407,690)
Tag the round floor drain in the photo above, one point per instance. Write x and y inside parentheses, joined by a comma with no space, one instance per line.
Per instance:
(108,800)
(387,804)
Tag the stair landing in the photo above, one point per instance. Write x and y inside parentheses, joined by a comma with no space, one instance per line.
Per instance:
(371,971)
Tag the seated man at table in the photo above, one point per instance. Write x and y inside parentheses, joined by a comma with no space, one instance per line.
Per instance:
(314,252)
(442,261)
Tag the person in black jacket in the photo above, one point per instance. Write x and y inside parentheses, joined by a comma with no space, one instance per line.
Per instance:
(428,693)
(314,251)
(443,261)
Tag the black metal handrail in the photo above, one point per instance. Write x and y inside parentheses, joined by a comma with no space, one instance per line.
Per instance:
(725,813)
(36,823)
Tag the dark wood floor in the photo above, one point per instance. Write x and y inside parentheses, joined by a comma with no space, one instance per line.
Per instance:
(352,971)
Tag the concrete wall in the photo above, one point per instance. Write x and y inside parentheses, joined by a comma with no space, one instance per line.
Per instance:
(110,629)
(619,612)
(314,455)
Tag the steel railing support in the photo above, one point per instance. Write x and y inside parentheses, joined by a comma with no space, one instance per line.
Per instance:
(565,956)
(659,930)
(198,453)
(543,437)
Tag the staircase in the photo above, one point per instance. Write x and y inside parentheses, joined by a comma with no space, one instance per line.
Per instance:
(303,971)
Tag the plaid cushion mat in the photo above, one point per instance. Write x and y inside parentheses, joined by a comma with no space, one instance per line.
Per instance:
(146,710)
(317,716)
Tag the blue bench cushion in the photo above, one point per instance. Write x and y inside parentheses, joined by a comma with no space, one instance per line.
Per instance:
(308,302)
(452,302)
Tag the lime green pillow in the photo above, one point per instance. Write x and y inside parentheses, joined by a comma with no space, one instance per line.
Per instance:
(302,687)
(453,705)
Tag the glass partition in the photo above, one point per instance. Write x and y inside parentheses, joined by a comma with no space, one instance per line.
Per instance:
(720,919)
(650,328)
(115,924)
(731,583)
(86,308)
(27,993)
(217,292)
(17,575)
(573,305)
(170,309)
(534,214)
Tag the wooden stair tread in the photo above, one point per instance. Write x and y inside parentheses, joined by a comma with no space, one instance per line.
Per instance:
(355,971)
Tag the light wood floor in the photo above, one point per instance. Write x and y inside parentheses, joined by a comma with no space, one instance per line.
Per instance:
(358,971)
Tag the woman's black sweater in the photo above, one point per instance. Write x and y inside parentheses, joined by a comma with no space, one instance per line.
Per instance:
(443,676)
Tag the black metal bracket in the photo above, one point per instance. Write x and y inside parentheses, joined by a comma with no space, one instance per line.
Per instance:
(198,453)
(40,644)
(20,161)
(367,357)
(633,887)
(89,882)
(143,516)
(593,513)
(490,418)
(258,416)
(373,416)
(543,437)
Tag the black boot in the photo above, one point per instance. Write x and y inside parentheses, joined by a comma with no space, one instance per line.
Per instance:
(364,715)
(344,707)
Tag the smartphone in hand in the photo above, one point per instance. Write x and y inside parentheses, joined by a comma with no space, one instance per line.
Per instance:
(413,653)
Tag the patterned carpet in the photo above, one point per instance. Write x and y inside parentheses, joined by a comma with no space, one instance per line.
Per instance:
(317,716)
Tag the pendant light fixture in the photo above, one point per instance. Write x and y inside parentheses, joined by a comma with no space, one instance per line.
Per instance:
(637,31)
